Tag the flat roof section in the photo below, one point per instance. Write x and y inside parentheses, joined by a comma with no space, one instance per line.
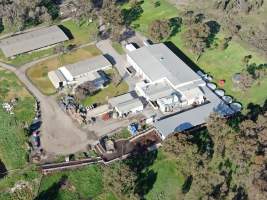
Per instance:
(161,62)
(89,65)
(120,99)
(193,117)
(125,102)
(158,90)
(32,40)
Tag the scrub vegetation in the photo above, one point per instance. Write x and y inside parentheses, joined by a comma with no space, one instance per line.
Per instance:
(13,138)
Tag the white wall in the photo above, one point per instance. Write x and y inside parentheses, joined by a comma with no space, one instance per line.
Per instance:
(138,70)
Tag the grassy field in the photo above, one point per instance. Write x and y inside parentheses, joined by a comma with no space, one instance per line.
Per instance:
(81,184)
(38,73)
(151,13)
(117,46)
(13,139)
(88,182)
(169,179)
(111,90)
(223,64)
(82,34)
(220,64)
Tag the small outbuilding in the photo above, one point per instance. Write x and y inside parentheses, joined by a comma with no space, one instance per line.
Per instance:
(126,104)
(81,72)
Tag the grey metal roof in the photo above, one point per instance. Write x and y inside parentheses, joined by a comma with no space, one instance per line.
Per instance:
(32,40)
(158,90)
(125,102)
(88,65)
(120,99)
(129,105)
(158,61)
(60,75)
(193,117)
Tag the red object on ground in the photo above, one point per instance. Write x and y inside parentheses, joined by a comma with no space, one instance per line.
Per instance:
(106,116)
(221,83)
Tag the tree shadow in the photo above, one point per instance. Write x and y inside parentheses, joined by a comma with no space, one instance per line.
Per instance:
(175,24)
(1,26)
(52,192)
(203,141)
(3,170)
(52,8)
(255,110)
(187,184)
(132,14)
(214,29)
(146,177)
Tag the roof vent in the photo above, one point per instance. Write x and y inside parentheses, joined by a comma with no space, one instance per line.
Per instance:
(161,58)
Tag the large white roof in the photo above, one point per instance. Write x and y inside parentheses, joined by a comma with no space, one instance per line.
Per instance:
(158,61)
(89,65)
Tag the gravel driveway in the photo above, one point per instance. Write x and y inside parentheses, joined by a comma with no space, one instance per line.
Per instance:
(59,134)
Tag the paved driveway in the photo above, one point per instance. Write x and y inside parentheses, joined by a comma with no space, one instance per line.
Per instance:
(118,60)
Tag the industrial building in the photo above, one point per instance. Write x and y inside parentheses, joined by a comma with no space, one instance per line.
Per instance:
(32,40)
(173,88)
(80,72)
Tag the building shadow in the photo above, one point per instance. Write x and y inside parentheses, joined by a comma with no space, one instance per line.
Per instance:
(66,31)
(182,56)
(110,59)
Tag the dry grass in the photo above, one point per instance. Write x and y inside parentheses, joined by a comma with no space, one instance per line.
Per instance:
(38,74)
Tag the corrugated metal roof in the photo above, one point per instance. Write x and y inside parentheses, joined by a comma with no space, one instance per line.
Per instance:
(88,65)
(129,105)
(120,99)
(125,102)
(193,117)
(161,62)
(32,40)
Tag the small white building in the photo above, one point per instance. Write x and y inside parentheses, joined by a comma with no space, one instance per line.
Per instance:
(126,104)
(80,72)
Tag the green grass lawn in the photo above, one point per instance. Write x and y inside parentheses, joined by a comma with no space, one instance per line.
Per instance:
(117,46)
(151,12)
(81,184)
(220,64)
(13,139)
(111,90)
(26,57)
(38,73)
(169,179)
(223,64)
(82,34)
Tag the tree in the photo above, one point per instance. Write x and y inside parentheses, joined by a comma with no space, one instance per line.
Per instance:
(85,11)
(246,80)
(113,18)
(159,30)
(18,14)
(196,37)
